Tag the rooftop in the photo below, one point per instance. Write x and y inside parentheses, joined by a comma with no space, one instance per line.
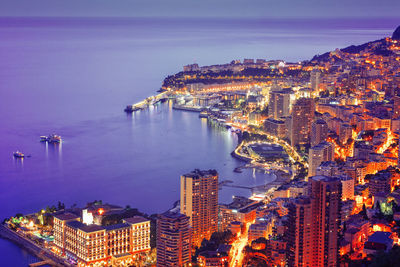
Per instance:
(85,228)
(66,216)
(135,219)
(238,203)
(211,254)
(116,226)
(380,237)
(172,215)
(93,207)
(324,178)
(197,173)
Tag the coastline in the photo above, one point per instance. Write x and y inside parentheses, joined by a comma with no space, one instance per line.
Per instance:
(268,188)
(41,253)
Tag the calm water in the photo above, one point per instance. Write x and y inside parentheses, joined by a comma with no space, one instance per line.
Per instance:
(73,77)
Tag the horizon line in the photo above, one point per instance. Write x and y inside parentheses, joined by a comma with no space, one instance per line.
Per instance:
(213,17)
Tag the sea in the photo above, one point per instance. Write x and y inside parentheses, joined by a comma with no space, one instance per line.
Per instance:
(74,76)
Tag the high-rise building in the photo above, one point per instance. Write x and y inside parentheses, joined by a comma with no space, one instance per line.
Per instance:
(173,239)
(322,152)
(319,132)
(325,193)
(396,107)
(299,237)
(199,201)
(279,104)
(315,80)
(313,224)
(303,113)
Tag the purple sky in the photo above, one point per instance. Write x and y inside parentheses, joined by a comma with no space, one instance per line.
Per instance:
(202,8)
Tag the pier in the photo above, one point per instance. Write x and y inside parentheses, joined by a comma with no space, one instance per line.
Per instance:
(229,183)
(238,186)
(151,100)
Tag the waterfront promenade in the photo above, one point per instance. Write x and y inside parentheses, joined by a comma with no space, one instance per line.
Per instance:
(47,257)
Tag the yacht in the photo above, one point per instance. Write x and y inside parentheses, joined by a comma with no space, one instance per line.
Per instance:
(18,155)
(54,138)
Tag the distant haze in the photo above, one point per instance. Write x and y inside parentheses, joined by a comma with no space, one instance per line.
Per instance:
(203,8)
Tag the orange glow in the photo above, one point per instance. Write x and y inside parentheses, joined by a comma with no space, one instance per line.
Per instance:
(388,142)
(100,211)
(342,151)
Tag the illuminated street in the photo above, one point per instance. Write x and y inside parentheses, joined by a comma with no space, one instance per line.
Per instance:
(236,255)
(221,134)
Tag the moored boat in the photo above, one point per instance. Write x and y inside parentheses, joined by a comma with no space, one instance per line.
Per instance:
(130,109)
(18,155)
(53,138)
(203,114)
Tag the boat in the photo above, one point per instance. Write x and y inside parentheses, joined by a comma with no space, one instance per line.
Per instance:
(238,170)
(18,155)
(130,109)
(203,114)
(53,138)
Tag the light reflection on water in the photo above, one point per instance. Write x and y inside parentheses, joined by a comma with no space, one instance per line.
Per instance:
(135,159)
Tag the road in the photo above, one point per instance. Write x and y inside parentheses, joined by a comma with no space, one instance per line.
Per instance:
(236,254)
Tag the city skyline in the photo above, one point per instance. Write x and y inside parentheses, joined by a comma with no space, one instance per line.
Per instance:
(121,147)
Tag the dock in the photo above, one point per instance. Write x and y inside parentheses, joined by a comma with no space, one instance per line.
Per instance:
(229,183)
(187,108)
(151,100)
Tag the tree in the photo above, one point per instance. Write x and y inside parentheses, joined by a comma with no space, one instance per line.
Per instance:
(60,206)
(216,239)
(364,212)
(378,210)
